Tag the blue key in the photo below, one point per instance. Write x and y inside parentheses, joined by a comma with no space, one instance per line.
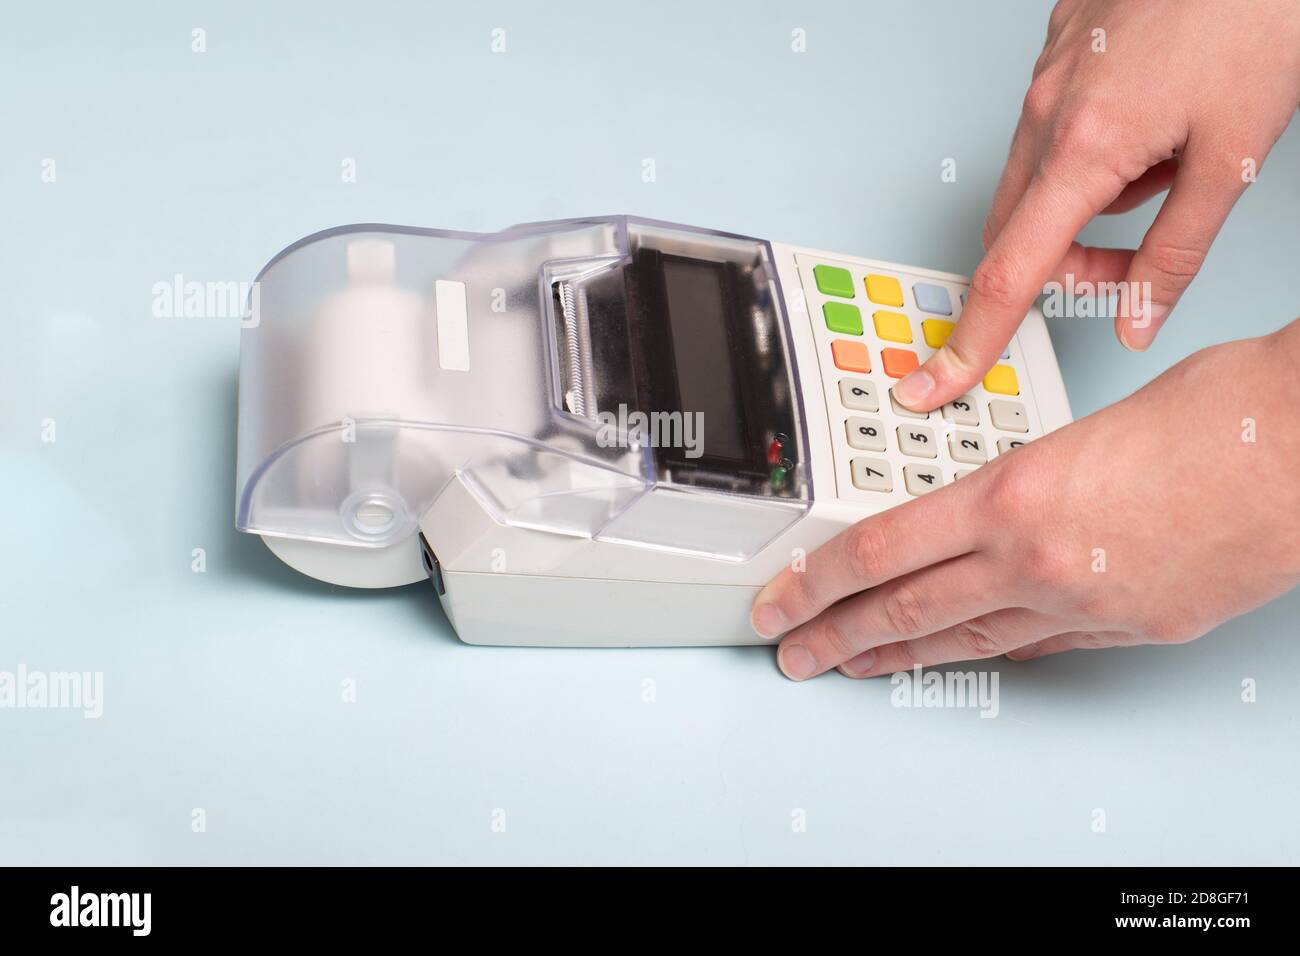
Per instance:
(932,298)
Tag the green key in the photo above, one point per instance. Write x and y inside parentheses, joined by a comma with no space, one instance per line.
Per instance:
(843,318)
(832,280)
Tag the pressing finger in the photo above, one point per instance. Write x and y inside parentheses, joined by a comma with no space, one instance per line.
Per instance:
(1024,256)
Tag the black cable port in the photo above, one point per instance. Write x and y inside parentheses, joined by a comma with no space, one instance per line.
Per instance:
(431,566)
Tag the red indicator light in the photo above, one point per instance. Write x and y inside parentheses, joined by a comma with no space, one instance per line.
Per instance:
(777,450)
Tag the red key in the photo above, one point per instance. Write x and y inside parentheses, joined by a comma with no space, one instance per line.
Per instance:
(898,362)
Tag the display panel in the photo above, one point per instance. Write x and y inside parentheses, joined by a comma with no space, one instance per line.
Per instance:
(702,350)
(681,349)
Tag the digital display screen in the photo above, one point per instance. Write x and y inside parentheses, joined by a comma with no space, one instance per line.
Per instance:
(706,379)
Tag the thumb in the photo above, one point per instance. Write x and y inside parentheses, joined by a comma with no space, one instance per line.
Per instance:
(1175,246)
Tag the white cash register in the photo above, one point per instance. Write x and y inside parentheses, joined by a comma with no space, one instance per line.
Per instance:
(605,431)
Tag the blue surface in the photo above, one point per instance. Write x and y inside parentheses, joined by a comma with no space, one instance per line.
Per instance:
(223,689)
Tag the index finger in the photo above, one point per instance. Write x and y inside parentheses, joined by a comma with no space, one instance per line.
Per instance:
(1024,256)
(871,552)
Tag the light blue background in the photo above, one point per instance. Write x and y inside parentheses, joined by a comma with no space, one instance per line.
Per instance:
(223,689)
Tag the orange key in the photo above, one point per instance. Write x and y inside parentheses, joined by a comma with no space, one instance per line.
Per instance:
(852,356)
(898,362)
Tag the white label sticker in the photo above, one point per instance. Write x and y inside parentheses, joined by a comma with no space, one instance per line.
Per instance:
(453,325)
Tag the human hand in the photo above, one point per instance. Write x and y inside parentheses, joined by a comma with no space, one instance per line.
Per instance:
(1151,521)
(1189,96)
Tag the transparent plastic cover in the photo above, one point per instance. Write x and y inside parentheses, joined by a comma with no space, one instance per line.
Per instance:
(611,377)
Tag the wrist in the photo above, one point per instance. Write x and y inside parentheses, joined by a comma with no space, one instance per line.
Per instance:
(1284,348)
(1257,383)
(1286,341)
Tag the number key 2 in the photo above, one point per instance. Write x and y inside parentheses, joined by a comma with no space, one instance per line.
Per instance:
(967,448)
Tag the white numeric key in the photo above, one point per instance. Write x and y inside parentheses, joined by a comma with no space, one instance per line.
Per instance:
(1008,416)
(871,474)
(921,479)
(967,448)
(865,433)
(859,395)
(903,411)
(917,441)
(962,411)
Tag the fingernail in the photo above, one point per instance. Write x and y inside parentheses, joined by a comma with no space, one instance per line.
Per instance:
(914,388)
(859,665)
(796,662)
(1148,317)
(1125,340)
(767,620)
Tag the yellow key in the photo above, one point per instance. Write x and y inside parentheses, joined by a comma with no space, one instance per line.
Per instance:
(892,326)
(1002,380)
(936,332)
(885,290)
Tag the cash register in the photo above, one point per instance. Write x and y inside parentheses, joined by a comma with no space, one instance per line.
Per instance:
(607,431)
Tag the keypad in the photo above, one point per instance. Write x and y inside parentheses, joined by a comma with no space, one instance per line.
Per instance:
(859,394)
(872,474)
(968,448)
(884,290)
(898,362)
(936,331)
(1008,416)
(866,434)
(888,452)
(962,411)
(917,441)
(902,411)
(932,298)
(832,280)
(1002,380)
(851,356)
(922,479)
(892,327)
(842,318)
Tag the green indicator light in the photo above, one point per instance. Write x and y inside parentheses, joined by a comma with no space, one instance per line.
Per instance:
(780,474)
